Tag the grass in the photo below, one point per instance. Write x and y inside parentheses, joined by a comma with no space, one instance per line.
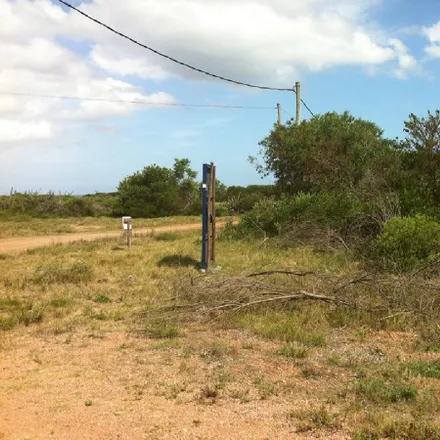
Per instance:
(285,327)
(102,299)
(165,236)
(218,349)
(316,418)
(162,330)
(50,273)
(378,391)
(399,430)
(423,368)
(266,388)
(92,290)
(28,227)
(293,351)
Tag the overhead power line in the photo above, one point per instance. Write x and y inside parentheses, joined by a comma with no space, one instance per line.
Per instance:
(138,102)
(174,60)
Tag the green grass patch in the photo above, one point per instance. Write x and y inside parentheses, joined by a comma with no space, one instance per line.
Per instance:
(162,330)
(423,368)
(167,344)
(58,303)
(51,273)
(284,327)
(399,430)
(165,236)
(378,391)
(7,323)
(102,299)
(293,351)
(316,418)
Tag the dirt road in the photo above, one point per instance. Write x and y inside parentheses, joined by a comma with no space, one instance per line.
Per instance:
(20,244)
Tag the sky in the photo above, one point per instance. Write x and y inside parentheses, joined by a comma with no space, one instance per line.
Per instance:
(378,59)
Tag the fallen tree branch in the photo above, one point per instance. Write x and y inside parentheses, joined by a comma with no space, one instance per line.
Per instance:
(281,272)
(364,279)
(294,297)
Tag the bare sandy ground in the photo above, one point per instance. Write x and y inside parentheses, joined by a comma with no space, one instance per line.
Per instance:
(20,244)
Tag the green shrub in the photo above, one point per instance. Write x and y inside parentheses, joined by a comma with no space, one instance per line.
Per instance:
(221,209)
(407,243)
(263,218)
(304,215)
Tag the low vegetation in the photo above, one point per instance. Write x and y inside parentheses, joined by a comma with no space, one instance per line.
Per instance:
(323,317)
(332,360)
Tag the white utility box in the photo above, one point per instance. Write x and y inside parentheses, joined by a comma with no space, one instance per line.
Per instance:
(127,223)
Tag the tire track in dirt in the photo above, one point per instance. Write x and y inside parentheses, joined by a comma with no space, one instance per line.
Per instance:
(21,244)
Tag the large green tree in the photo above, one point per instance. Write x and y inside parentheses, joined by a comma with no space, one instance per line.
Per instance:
(158,191)
(330,152)
(421,149)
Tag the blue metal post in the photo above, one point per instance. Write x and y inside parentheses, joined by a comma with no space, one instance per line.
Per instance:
(205,220)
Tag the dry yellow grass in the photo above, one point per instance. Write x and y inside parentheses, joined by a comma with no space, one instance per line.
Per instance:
(85,354)
(30,227)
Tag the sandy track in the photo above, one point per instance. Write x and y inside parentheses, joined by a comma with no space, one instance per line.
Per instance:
(20,244)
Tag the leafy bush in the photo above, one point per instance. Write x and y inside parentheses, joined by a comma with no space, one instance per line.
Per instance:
(406,243)
(307,216)
(221,209)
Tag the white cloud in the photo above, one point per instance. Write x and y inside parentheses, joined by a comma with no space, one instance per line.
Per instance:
(407,64)
(263,41)
(34,62)
(433,35)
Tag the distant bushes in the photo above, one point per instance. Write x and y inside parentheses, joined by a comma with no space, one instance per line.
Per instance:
(32,204)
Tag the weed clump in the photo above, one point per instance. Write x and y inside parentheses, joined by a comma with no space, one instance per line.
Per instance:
(429,369)
(378,391)
(293,351)
(52,273)
(165,236)
(400,430)
(162,330)
(316,418)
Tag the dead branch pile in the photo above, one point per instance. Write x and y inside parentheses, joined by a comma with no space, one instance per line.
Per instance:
(216,294)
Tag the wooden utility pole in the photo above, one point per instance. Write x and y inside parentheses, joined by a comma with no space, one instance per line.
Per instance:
(212,216)
(208,227)
(279,113)
(298,102)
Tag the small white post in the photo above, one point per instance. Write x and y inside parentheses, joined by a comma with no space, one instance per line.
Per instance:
(127,227)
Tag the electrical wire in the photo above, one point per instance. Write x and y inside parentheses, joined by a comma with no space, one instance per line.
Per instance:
(174,60)
(138,102)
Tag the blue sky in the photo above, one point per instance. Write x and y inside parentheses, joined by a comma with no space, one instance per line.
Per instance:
(378,59)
